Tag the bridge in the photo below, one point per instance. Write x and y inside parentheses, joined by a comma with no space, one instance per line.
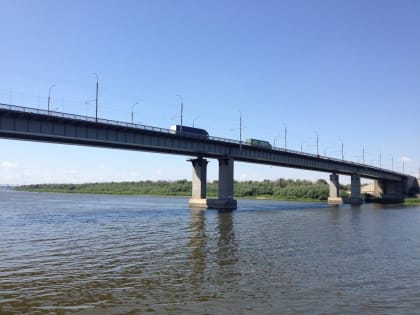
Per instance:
(23,123)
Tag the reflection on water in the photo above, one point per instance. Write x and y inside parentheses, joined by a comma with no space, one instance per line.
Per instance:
(197,244)
(75,254)
(227,245)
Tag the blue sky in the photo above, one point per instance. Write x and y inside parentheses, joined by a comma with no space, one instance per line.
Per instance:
(346,70)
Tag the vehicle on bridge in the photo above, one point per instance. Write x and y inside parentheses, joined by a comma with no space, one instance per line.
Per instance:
(259,143)
(189,131)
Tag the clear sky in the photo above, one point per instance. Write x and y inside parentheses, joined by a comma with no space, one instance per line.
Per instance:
(348,71)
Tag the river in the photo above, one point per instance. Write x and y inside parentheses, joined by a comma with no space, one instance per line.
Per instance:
(98,254)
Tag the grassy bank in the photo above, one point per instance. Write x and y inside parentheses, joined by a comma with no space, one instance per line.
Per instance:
(281,189)
(412,201)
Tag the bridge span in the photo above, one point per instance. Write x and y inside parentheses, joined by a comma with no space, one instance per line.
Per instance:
(23,123)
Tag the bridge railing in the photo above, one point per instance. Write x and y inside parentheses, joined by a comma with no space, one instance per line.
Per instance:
(81,117)
(105,121)
(168,131)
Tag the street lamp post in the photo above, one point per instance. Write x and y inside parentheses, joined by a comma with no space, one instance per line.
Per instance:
(363,154)
(194,119)
(132,112)
(380,159)
(97,88)
(240,130)
(182,109)
(285,136)
(342,150)
(49,97)
(317,142)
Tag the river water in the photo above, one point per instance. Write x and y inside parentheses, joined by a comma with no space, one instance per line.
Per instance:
(90,254)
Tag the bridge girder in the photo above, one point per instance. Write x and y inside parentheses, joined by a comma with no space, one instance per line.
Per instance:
(21,123)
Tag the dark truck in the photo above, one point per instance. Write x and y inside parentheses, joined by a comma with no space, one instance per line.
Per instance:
(189,131)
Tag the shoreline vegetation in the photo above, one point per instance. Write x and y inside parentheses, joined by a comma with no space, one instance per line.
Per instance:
(412,201)
(281,189)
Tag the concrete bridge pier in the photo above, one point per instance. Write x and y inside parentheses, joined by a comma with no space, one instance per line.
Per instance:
(199,185)
(226,182)
(199,178)
(356,196)
(334,197)
(390,191)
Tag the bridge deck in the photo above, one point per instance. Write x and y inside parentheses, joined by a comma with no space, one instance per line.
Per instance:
(23,123)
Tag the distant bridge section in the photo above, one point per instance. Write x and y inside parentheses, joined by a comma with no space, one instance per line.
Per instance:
(23,123)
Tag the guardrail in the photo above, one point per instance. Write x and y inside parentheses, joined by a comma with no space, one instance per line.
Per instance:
(168,131)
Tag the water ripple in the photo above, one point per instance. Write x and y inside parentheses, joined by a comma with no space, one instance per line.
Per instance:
(78,254)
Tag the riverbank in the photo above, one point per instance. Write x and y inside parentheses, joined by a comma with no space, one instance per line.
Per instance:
(281,189)
(412,201)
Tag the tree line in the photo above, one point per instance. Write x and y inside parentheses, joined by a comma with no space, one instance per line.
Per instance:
(286,189)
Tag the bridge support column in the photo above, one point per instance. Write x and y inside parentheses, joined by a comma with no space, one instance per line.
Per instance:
(199,178)
(377,189)
(387,191)
(225,200)
(199,183)
(334,197)
(226,178)
(356,197)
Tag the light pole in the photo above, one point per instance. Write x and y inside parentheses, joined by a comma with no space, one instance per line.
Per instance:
(392,165)
(363,154)
(317,142)
(285,136)
(182,109)
(240,130)
(194,119)
(49,97)
(132,112)
(342,150)
(97,88)
(380,159)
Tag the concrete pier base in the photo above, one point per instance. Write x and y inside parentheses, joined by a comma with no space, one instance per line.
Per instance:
(199,198)
(198,203)
(335,200)
(220,204)
(354,201)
